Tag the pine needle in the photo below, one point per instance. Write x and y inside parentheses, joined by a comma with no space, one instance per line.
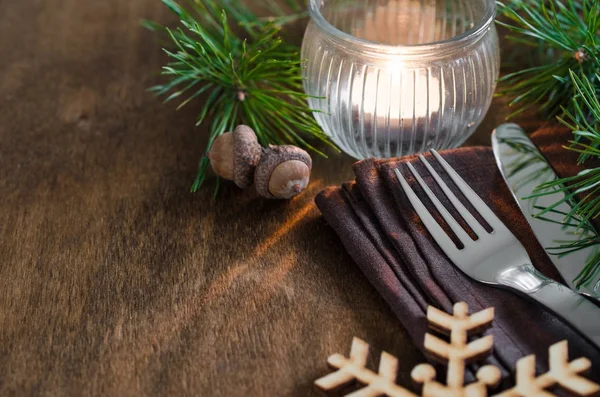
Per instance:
(252,78)
(567,34)
(582,191)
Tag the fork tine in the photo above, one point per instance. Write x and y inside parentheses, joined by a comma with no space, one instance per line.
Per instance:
(456,228)
(464,212)
(434,228)
(470,194)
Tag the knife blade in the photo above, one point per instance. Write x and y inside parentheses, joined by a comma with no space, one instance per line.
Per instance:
(524,168)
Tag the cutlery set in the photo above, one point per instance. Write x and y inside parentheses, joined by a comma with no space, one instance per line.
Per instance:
(497,257)
(524,168)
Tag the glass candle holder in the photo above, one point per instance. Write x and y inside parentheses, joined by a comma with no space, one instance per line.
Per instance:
(395,77)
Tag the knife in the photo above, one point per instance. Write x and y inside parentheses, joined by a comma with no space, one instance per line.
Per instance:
(524,168)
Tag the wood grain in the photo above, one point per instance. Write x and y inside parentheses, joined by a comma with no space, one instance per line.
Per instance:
(114,279)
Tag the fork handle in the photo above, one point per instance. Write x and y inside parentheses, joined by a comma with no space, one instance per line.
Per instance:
(572,307)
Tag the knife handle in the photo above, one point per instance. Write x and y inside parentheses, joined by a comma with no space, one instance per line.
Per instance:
(572,307)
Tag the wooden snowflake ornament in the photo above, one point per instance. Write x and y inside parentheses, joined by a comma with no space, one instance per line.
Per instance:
(456,354)
(562,373)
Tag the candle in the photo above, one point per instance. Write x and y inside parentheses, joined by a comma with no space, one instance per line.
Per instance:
(395,77)
(396,108)
(397,102)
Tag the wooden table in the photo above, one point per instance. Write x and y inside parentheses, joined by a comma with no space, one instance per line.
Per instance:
(114,279)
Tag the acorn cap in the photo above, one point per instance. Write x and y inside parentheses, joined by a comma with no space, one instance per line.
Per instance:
(246,155)
(272,157)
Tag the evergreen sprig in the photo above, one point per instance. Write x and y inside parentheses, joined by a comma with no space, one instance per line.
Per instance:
(566,33)
(251,77)
(586,184)
(582,191)
(565,84)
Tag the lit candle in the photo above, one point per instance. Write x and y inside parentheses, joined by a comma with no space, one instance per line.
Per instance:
(396,104)
(394,77)
(396,107)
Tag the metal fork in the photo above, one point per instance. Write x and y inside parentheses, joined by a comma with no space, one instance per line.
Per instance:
(496,257)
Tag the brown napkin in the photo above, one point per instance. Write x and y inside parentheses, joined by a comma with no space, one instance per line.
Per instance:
(383,234)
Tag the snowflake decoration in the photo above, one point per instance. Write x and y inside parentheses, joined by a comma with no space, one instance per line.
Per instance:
(456,354)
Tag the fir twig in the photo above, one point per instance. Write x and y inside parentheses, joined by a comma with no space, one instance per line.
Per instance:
(582,191)
(252,78)
(567,32)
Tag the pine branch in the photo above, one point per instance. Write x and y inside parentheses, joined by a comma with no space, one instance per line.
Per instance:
(567,34)
(582,191)
(252,78)
(586,184)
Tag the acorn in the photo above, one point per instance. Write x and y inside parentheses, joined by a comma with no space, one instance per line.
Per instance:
(235,155)
(283,172)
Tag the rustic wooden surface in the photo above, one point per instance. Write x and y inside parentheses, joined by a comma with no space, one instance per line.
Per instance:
(114,279)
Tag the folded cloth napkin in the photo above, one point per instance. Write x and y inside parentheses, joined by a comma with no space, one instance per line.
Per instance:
(381,231)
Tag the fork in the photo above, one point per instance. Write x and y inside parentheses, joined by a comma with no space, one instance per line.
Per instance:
(496,257)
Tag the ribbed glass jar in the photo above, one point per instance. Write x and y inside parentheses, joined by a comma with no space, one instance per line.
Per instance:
(396,77)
